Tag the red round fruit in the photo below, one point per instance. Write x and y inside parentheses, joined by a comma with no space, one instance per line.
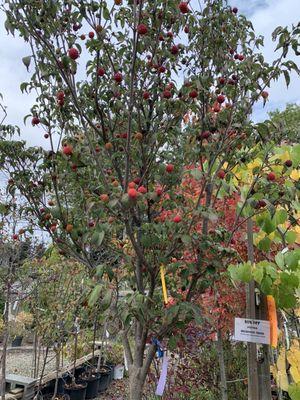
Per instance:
(205,134)
(101,71)
(91,35)
(167,94)
(186,29)
(46,136)
(91,224)
(73,53)
(159,191)
(161,69)
(146,95)
(220,99)
(60,95)
(118,77)
(241,57)
(288,163)
(35,121)
(261,203)
(193,94)
(132,193)
(177,219)
(82,37)
(184,7)
(131,185)
(271,176)
(222,80)
(15,236)
(68,150)
(221,174)
(104,198)
(142,190)
(142,29)
(169,168)
(264,94)
(174,50)
(235,10)
(137,180)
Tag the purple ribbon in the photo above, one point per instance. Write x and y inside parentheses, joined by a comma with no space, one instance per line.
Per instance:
(163,376)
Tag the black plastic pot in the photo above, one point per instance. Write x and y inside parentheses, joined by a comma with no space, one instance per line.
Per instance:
(76,392)
(92,385)
(79,371)
(17,341)
(105,373)
(65,379)
(111,365)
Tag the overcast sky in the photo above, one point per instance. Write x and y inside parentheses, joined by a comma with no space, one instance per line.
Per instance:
(265,15)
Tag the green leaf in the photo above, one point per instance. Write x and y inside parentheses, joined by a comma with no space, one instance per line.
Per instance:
(264,244)
(240,272)
(258,273)
(294,391)
(268,226)
(287,77)
(94,296)
(97,238)
(26,61)
(292,259)
(280,217)
(279,258)
(266,285)
(290,237)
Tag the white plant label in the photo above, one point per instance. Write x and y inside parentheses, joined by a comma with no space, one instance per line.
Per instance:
(252,330)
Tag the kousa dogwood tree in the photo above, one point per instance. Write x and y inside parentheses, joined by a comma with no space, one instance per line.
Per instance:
(133,96)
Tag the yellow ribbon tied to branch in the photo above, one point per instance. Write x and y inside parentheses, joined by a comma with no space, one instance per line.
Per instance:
(163,284)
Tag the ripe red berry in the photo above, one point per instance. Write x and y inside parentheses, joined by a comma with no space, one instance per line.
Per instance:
(221,174)
(159,191)
(222,80)
(241,57)
(68,150)
(82,37)
(146,95)
(142,190)
(101,71)
(15,236)
(73,53)
(167,94)
(271,176)
(132,193)
(91,35)
(35,121)
(142,29)
(60,95)
(186,29)
(169,168)
(183,7)
(261,203)
(104,198)
(161,69)
(264,94)
(220,99)
(174,50)
(118,77)
(205,134)
(91,224)
(193,94)
(131,185)
(288,163)
(177,219)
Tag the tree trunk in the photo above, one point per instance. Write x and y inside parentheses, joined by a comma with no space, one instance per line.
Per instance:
(136,384)
(223,380)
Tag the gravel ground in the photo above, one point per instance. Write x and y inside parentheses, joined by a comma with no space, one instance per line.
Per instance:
(21,362)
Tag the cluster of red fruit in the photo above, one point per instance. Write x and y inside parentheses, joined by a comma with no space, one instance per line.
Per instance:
(60,97)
